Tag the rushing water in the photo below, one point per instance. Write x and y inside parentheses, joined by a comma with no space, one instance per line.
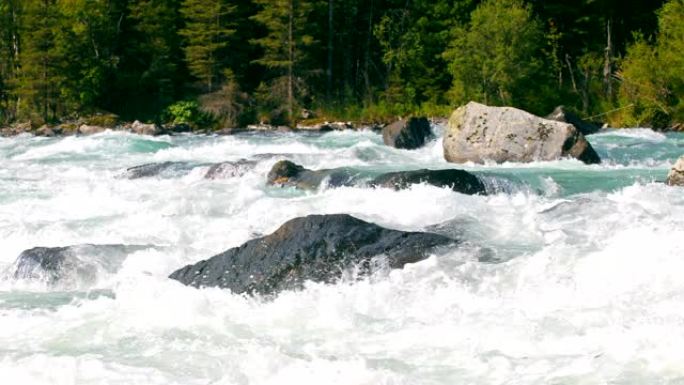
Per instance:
(588,288)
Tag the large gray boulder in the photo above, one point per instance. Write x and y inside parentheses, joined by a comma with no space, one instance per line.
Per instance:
(676,176)
(407,134)
(561,114)
(140,128)
(316,248)
(85,129)
(479,133)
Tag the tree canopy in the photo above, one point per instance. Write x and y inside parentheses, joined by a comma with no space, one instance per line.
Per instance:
(243,61)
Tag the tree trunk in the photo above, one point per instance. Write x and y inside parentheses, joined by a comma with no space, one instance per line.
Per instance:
(330,50)
(585,91)
(571,71)
(290,68)
(366,63)
(608,62)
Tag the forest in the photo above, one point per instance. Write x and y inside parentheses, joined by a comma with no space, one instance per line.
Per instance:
(224,63)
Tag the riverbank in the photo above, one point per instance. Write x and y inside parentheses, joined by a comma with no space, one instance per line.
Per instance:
(137,127)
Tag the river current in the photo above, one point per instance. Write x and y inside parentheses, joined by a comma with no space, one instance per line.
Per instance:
(583,280)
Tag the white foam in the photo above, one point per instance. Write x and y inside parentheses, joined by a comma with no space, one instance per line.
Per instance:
(589,290)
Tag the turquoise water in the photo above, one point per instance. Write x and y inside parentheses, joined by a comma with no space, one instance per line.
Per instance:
(587,287)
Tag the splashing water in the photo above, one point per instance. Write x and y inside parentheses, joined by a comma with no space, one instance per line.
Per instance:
(583,283)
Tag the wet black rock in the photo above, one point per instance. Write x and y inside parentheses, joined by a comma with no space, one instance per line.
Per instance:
(317,248)
(288,174)
(457,180)
(407,134)
(561,114)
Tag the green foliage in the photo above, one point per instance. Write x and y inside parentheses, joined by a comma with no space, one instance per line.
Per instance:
(187,112)
(285,49)
(497,59)
(249,60)
(101,120)
(412,40)
(42,61)
(228,105)
(157,48)
(653,74)
(206,33)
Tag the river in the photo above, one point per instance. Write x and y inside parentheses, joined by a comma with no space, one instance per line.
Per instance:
(582,285)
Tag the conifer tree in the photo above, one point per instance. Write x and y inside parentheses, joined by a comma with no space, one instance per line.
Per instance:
(9,56)
(41,74)
(156,51)
(285,45)
(207,30)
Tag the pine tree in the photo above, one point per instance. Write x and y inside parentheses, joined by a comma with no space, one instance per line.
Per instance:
(9,56)
(206,33)
(41,74)
(154,58)
(285,46)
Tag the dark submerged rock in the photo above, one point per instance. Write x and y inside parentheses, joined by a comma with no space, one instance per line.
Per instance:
(407,134)
(75,265)
(560,114)
(314,248)
(220,170)
(288,174)
(457,180)
(158,169)
(225,170)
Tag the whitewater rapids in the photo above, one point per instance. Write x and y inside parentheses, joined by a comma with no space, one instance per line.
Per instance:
(587,288)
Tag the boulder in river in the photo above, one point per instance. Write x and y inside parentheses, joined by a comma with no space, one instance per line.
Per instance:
(676,176)
(478,133)
(72,265)
(288,174)
(158,169)
(222,170)
(140,128)
(407,134)
(225,170)
(561,114)
(315,248)
(85,129)
(457,180)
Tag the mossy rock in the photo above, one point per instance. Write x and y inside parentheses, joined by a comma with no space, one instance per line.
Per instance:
(107,120)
